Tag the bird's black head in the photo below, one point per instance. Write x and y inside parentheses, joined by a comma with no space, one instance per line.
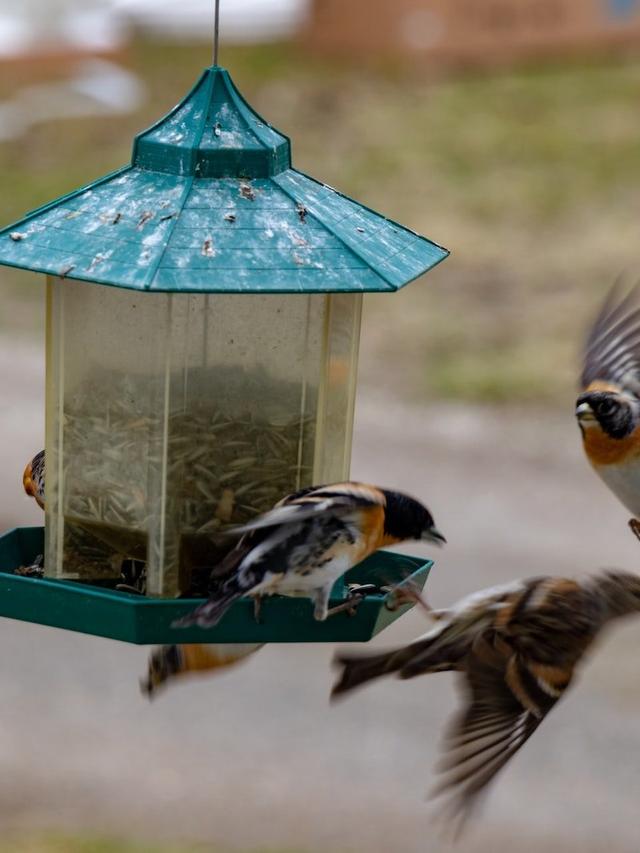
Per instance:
(407,518)
(613,412)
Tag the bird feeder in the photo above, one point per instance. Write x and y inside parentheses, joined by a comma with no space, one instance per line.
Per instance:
(203,319)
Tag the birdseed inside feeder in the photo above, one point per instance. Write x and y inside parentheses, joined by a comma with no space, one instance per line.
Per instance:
(203,319)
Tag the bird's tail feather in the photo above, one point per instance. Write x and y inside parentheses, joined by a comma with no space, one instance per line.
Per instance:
(210,613)
(422,657)
(358,669)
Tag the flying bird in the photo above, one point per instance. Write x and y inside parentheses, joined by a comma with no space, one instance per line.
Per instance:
(309,540)
(516,648)
(608,407)
(169,662)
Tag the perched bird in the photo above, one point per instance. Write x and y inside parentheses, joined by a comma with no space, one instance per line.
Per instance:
(517,647)
(169,662)
(132,568)
(33,478)
(308,541)
(608,407)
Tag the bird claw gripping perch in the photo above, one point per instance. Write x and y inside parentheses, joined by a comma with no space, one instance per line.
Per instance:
(134,577)
(257,609)
(406,592)
(35,570)
(356,594)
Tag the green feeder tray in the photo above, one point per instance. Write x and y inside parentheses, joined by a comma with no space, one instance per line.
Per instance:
(106,612)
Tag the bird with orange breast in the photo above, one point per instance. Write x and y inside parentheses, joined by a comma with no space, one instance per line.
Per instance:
(608,407)
(309,540)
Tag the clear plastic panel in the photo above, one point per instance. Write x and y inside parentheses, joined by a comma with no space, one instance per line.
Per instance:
(171,417)
(337,391)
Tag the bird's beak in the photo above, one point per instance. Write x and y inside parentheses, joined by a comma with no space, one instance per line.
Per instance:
(584,413)
(433,535)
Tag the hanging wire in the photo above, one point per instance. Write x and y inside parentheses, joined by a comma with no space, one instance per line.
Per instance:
(216,32)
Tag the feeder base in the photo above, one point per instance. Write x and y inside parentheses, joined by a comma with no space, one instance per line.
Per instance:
(119,615)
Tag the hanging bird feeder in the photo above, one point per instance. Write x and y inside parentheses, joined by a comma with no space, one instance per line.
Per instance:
(203,318)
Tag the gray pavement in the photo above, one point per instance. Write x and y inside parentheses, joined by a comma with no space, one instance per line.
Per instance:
(256,757)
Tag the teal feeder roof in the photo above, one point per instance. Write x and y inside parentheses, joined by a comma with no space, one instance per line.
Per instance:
(211,204)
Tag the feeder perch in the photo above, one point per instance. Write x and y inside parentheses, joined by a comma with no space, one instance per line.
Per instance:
(203,319)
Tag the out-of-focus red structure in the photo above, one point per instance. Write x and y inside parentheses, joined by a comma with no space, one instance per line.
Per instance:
(471,32)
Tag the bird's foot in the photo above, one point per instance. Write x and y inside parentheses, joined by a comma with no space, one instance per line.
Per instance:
(407,593)
(355,597)
(257,609)
(35,570)
(134,577)
(365,588)
(634,525)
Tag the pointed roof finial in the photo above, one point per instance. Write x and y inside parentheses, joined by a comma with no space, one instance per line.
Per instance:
(213,133)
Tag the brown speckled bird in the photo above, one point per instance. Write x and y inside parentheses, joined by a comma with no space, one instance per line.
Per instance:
(308,541)
(516,647)
(169,662)
(608,407)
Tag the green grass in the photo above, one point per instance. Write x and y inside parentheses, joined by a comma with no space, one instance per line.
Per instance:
(529,177)
(56,843)
(66,844)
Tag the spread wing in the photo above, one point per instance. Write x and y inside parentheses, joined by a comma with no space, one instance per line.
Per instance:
(504,707)
(291,524)
(612,349)
(340,499)
(302,530)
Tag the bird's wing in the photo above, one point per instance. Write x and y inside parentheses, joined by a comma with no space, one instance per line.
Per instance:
(456,628)
(251,535)
(441,649)
(505,705)
(284,537)
(228,565)
(612,348)
(311,503)
(287,514)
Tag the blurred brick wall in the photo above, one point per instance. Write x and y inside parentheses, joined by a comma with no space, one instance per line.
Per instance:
(455,32)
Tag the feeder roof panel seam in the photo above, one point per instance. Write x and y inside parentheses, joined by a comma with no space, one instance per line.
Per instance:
(363,207)
(383,278)
(171,229)
(414,239)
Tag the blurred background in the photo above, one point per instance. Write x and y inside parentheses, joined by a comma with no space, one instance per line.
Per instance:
(507,130)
